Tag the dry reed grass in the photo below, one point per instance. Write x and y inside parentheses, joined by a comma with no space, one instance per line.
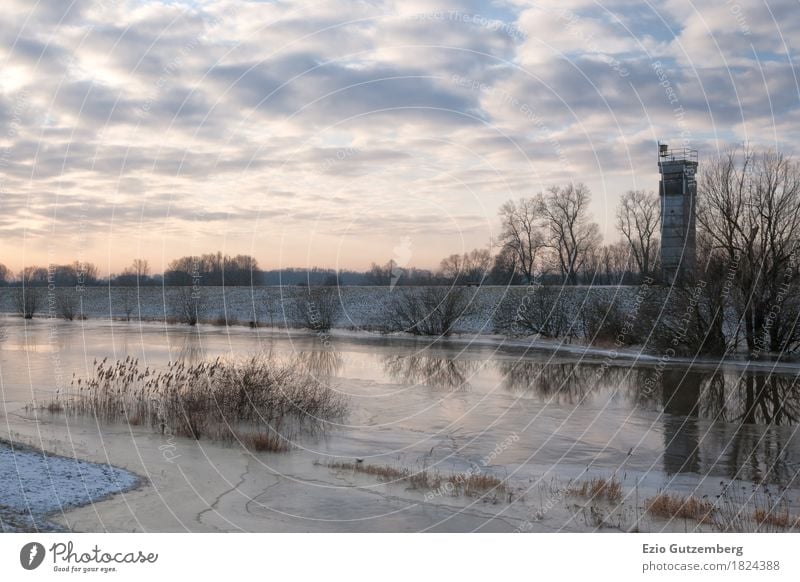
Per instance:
(468,484)
(598,489)
(781,519)
(253,400)
(674,506)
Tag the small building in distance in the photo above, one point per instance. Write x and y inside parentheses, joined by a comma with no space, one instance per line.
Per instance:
(678,193)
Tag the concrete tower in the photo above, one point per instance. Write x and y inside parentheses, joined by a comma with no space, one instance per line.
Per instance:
(678,192)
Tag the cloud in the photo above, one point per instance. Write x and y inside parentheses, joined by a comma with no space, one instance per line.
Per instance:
(300,118)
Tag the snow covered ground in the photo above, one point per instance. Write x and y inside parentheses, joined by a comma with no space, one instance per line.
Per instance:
(37,485)
(362,307)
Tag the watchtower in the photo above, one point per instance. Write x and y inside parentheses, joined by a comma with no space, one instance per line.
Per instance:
(678,192)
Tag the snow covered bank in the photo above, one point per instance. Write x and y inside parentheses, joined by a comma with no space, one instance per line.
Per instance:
(361,307)
(36,485)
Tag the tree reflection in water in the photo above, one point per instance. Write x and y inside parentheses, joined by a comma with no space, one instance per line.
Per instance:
(558,383)
(320,363)
(743,434)
(192,350)
(727,424)
(434,371)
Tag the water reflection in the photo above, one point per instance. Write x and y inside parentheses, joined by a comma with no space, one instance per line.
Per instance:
(753,399)
(434,371)
(680,393)
(321,363)
(192,350)
(747,412)
(733,425)
(562,383)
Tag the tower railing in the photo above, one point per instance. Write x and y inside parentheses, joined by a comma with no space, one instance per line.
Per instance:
(677,155)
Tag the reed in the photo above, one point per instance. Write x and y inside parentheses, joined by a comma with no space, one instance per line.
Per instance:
(598,489)
(257,400)
(675,506)
(468,484)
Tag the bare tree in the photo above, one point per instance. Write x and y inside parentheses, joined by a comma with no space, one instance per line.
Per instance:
(188,305)
(141,267)
(472,267)
(67,305)
(542,310)
(570,233)
(608,264)
(318,308)
(521,233)
(429,310)
(28,296)
(749,211)
(128,298)
(638,220)
(5,274)
(27,300)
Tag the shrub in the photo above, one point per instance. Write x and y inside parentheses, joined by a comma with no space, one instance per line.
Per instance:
(66,305)
(688,319)
(188,305)
(27,300)
(317,308)
(604,322)
(430,311)
(542,310)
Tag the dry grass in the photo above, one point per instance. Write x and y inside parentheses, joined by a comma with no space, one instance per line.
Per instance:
(598,489)
(778,519)
(673,506)
(251,400)
(468,484)
(264,442)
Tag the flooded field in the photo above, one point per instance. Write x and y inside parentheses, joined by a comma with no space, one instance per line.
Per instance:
(537,422)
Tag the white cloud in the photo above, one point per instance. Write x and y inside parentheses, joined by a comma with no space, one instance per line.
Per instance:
(361,118)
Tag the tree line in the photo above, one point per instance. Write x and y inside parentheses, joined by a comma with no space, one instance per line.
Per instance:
(549,237)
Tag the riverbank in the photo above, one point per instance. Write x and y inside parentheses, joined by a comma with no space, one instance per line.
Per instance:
(360,308)
(39,487)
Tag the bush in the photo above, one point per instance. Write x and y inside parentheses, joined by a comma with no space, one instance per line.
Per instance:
(318,308)
(604,322)
(430,311)
(27,300)
(67,305)
(542,310)
(687,320)
(188,305)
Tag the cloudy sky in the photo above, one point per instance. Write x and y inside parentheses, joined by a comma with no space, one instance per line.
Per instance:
(333,133)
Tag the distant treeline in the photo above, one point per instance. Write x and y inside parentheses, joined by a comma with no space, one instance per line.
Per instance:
(545,239)
(478,267)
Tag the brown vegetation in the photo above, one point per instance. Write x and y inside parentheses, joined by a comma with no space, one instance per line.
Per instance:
(468,483)
(779,519)
(255,400)
(598,489)
(673,506)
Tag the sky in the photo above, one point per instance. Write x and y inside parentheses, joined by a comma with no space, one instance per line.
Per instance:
(340,133)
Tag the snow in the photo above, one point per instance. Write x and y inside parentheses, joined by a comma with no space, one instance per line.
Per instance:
(362,308)
(37,484)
